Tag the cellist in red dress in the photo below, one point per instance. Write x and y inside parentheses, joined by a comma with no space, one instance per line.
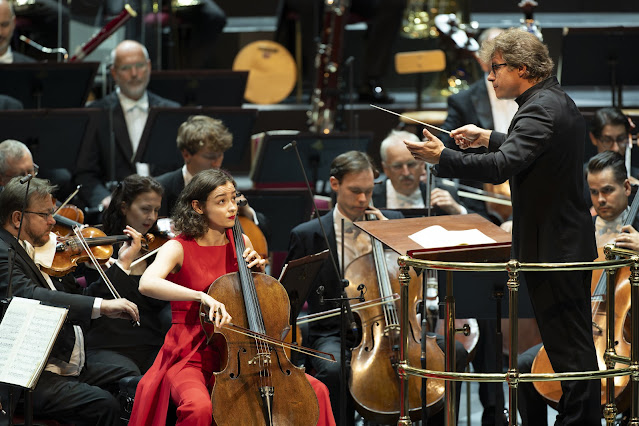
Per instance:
(182,272)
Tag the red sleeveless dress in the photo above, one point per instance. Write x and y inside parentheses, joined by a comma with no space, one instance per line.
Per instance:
(185,343)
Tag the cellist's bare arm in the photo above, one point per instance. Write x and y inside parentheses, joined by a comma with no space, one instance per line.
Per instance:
(153,283)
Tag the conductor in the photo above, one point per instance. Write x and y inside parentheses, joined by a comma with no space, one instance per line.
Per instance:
(542,155)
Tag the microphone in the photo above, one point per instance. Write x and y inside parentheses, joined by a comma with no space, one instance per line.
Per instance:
(26,178)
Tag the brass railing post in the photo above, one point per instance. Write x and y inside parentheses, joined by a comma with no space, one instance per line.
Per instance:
(634,347)
(513,319)
(404,407)
(450,387)
(610,409)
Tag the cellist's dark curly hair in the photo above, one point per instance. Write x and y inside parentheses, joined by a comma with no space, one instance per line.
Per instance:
(186,220)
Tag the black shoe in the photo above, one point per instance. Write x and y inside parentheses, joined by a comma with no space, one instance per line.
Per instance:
(373,92)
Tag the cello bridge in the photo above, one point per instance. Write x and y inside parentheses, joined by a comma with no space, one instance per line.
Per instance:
(261,359)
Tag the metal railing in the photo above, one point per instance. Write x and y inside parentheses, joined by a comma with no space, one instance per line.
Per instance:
(513,377)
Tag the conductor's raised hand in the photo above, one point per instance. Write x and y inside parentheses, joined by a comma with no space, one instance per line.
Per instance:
(470,136)
(429,150)
(120,308)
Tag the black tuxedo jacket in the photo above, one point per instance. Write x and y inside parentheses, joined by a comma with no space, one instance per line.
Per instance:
(29,283)
(307,239)
(173,184)
(94,159)
(542,155)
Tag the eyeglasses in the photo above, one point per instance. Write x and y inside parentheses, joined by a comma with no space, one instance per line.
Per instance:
(43,215)
(607,141)
(396,167)
(495,67)
(138,66)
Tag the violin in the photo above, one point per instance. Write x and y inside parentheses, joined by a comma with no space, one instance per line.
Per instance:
(257,374)
(374,361)
(551,391)
(69,251)
(67,216)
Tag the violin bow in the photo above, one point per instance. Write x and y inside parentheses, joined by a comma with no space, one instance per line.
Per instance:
(263,337)
(69,198)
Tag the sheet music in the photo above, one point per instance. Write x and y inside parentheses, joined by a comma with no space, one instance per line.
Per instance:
(27,334)
(437,236)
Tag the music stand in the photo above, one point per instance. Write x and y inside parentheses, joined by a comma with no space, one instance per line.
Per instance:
(48,84)
(158,144)
(609,63)
(317,152)
(216,88)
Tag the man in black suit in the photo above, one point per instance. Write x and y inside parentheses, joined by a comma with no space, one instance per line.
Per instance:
(352,179)
(542,156)
(403,187)
(71,386)
(124,117)
(202,140)
(609,189)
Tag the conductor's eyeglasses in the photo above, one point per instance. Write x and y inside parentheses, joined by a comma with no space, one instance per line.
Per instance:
(495,67)
(608,141)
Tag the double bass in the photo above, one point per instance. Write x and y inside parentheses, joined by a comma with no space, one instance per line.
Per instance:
(374,383)
(551,391)
(257,375)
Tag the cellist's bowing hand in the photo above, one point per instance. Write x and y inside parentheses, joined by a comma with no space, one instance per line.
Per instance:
(217,310)
(375,211)
(628,238)
(130,249)
(120,308)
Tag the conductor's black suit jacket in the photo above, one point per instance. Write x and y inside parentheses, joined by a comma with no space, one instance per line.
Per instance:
(94,159)
(542,156)
(306,239)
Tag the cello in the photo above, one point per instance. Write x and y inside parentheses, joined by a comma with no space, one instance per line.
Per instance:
(374,361)
(551,391)
(257,375)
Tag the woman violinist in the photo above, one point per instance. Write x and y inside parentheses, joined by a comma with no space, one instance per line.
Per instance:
(135,204)
(183,270)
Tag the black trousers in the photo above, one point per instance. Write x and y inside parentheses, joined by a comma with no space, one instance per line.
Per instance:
(561,302)
(88,398)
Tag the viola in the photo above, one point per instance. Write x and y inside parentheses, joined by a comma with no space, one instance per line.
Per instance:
(257,374)
(374,361)
(69,251)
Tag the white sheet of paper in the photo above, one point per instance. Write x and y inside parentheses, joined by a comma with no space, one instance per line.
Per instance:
(437,236)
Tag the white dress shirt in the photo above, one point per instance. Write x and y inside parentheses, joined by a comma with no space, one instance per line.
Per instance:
(356,241)
(7,58)
(135,115)
(606,231)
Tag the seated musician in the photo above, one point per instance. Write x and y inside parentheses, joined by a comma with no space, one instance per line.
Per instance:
(135,203)
(202,140)
(352,179)
(125,114)
(609,191)
(72,387)
(15,160)
(403,187)
(182,272)
(610,131)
